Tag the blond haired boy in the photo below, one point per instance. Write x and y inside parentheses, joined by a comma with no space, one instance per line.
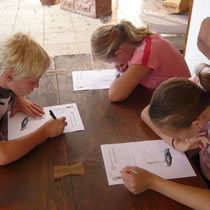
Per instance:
(22,63)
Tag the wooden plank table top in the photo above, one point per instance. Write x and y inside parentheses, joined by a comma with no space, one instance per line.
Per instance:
(28,184)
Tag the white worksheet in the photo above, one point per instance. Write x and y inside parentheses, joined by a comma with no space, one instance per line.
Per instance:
(93,80)
(155,156)
(70,111)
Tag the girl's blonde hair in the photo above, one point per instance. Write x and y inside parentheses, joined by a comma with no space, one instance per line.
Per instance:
(108,38)
(177,102)
(23,56)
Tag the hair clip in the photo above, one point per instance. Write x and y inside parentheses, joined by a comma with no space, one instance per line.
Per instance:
(120,27)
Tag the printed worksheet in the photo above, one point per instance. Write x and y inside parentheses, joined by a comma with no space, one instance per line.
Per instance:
(93,80)
(155,156)
(21,124)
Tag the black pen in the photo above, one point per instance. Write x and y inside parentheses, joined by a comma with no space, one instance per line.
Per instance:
(52,114)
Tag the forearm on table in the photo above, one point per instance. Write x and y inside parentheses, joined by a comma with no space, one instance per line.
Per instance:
(120,90)
(17,148)
(192,197)
(122,87)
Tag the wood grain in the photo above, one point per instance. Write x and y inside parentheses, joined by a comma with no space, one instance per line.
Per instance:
(29,182)
(105,123)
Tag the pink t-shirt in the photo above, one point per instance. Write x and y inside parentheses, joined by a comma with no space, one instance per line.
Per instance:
(162,57)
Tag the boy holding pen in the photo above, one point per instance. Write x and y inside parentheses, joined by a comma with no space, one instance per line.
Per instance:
(22,63)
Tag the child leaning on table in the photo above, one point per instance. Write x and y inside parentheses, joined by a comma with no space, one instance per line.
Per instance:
(180,114)
(22,63)
(141,56)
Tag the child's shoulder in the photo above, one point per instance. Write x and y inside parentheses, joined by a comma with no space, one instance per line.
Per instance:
(157,39)
(150,39)
(154,40)
(151,43)
(161,44)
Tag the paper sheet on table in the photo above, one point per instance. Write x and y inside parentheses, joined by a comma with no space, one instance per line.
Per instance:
(155,156)
(70,111)
(92,80)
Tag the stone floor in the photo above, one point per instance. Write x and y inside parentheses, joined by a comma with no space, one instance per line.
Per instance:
(64,33)
(151,12)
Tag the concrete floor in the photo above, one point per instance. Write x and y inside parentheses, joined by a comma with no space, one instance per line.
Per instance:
(64,33)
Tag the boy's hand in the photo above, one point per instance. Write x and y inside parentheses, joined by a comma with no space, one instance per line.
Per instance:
(28,107)
(55,127)
(136,183)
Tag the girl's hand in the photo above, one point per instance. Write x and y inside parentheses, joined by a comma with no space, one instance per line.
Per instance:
(55,127)
(121,67)
(136,183)
(28,107)
(200,141)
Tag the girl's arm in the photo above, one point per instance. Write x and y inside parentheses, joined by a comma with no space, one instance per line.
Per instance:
(122,87)
(15,149)
(192,197)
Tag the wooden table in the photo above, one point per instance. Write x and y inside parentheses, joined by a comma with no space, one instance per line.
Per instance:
(28,183)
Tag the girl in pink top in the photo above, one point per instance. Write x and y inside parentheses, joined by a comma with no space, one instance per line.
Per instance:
(140,55)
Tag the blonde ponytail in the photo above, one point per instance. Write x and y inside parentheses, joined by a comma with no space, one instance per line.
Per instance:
(135,34)
(107,39)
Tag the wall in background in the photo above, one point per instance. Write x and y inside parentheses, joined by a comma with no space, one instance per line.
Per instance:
(200,10)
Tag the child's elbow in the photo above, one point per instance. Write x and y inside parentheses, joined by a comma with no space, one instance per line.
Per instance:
(116,97)
(4,160)
(145,115)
